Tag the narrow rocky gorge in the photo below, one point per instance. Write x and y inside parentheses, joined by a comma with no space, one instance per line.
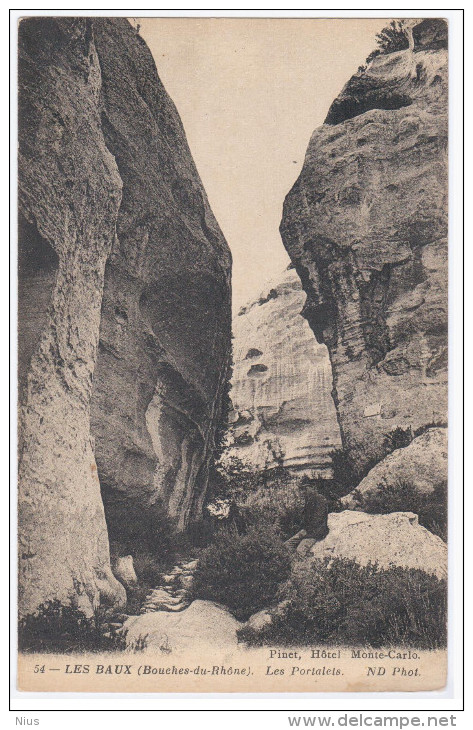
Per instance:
(339,385)
(124,281)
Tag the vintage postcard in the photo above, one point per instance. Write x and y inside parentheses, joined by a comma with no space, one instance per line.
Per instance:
(232,354)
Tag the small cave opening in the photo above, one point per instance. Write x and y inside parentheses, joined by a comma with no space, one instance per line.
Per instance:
(354,105)
(257,369)
(253,352)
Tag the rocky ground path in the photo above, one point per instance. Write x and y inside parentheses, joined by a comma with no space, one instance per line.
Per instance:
(173,594)
(175,591)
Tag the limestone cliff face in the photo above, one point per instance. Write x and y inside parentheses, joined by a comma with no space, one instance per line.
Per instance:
(283,412)
(366,227)
(105,174)
(166,318)
(69,196)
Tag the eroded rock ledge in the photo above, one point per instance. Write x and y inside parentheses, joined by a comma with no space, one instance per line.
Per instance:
(366,228)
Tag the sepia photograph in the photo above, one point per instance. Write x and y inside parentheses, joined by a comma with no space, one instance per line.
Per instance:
(233,279)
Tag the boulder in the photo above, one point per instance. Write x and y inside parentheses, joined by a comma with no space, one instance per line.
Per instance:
(189,567)
(260,620)
(203,623)
(366,227)
(430,34)
(394,539)
(304,546)
(124,570)
(423,463)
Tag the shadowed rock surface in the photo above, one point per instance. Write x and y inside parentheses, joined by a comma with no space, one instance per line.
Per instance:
(165,329)
(366,227)
(94,120)
(283,412)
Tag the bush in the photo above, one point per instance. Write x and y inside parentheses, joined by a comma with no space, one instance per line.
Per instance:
(56,627)
(398,438)
(199,534)
(430,507)
(393,37)
(279,504)
(242,571)
(232,479)
(270,496)
(136,596)
(344,475)
(390,39)
(341,602)
(148,569)
(435,423)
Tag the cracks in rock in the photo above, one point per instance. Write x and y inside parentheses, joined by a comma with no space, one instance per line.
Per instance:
(373,298)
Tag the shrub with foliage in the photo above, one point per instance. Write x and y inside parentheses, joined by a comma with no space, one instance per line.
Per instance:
(56,627)
(393,37)
(434,423)
(341,602)
(242,572)
(232,479)
(279,503)
(390,39)
(344,475)
(272,496)
(260,496)
(398,438)
(148,568)
(403,496)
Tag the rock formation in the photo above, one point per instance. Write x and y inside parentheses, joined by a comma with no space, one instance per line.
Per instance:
(395,539)
(105,174)
(423,463)
(203,624)
(175,591)
(366,228)
(283,412)
(124,570)
(166,318)
(69,196)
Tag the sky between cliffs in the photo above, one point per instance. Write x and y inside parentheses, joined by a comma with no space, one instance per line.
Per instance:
(250,93)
